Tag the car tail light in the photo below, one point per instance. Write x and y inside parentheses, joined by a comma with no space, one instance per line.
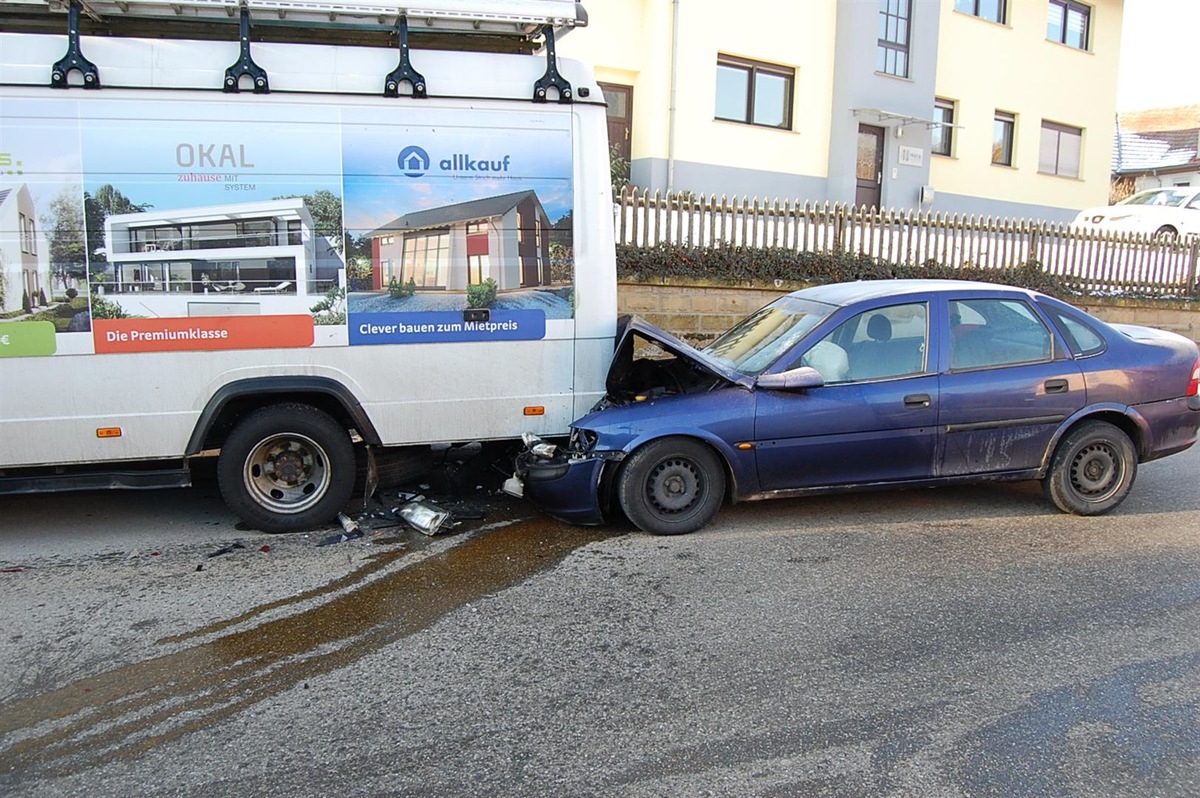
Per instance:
(1194,385)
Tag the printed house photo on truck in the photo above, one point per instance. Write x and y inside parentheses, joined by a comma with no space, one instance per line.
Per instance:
(425,260)
(240,259)
(448,217)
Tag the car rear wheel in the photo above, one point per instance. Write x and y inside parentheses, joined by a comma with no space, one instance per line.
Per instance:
(671,486)
(286,468)
(1092,471)
(1166,233)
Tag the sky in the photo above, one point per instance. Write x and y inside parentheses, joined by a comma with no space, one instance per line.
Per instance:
(1158,47)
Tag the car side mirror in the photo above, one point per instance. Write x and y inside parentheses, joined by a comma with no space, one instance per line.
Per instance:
(798,379)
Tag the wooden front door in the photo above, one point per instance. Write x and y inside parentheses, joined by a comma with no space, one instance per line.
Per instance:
(869,166)
(620,122)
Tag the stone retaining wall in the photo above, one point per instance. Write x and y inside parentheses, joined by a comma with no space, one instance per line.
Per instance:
(698,312)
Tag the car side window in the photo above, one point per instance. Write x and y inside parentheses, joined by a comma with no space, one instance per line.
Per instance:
(878,344)
(1081,338)
(987,333)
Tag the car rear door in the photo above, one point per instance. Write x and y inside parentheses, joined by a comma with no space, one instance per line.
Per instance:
(1008,385)
(875,418)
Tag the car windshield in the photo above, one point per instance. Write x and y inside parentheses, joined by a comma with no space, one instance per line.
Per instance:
(1172,197)
(758,340)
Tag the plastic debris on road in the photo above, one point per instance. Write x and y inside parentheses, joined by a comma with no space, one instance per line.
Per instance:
(424,517)
(226,550)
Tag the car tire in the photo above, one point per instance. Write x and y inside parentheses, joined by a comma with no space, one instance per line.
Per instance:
(286,468)
(1166,233)
(1092,470)
(671,486)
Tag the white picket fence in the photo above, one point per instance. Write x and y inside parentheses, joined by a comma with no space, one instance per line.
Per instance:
(1092,262)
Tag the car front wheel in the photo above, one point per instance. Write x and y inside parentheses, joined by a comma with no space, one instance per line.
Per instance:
(671,486)
(1092,471)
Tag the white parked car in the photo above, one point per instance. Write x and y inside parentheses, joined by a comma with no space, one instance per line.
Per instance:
(1165,212)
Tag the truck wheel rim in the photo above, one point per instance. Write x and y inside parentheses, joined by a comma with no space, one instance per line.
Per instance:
(287,473)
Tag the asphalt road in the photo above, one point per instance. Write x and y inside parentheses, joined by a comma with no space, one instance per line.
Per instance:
(954,642)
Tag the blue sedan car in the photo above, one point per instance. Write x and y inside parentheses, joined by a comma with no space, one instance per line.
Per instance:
(869,385)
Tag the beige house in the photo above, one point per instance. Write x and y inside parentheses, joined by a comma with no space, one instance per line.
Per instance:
(998,107)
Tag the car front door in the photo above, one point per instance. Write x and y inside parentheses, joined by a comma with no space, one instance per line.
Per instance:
(1008,386)
(874,419)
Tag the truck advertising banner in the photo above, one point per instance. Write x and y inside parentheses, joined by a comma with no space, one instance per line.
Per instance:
(132,226)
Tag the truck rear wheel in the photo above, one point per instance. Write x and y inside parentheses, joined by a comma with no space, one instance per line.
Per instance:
(286,468)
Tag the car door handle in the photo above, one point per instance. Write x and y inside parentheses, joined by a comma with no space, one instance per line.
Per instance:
(914,400)
(1056,386)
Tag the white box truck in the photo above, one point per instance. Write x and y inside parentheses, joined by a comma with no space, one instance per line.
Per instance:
(224,228)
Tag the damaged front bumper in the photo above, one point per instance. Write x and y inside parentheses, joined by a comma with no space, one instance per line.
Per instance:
(561,484)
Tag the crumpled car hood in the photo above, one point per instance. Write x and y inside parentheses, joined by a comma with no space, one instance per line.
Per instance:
(630,326)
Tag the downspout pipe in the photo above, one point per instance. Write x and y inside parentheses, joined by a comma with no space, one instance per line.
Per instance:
(674,82)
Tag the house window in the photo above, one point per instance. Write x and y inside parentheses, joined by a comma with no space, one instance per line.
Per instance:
(26,232)
(991,10)
(427,259)
(754,93)
(1002,138)
(295,234)
(477,265)
(1069,23)
(891,57)
(1060,150)
(943,130)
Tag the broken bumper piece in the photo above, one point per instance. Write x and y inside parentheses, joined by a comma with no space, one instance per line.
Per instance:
(567,488)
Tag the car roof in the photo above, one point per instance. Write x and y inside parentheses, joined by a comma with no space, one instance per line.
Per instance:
(842,294)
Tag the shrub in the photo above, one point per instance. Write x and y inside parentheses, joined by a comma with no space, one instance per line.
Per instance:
(42,298)
(25,303)
(72,293)
(399,290)
(106,309)
(482,295)
(742,265)
(331,310)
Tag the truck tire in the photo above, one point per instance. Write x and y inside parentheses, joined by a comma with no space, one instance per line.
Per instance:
(286,468)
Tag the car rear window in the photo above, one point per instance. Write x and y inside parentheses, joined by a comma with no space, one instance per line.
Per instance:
(1082,339)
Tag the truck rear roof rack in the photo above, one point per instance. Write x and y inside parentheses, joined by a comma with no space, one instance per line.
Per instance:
(502,26)
(522,18)
(516,26)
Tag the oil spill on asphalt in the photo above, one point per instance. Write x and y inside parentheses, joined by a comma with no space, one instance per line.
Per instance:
(375,562)
(121,713)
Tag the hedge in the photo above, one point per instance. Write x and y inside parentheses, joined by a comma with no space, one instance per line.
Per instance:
(755,266)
